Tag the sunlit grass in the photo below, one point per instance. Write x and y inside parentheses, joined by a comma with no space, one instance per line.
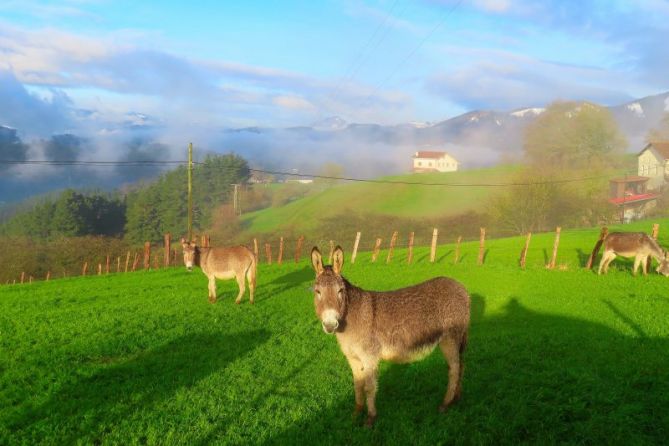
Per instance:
(554,356)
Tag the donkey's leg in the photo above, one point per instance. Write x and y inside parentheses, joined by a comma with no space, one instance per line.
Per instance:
(644,263)
(607,258)
(602,261)
(251,277)
(450,347)
(212,289)
(241,281)
(371,373)
(637,262)
(358,383)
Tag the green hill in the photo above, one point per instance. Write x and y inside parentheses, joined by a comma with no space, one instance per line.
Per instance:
(400,200)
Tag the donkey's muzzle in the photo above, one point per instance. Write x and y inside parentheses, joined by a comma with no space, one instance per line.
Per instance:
(189,268)
(330,327)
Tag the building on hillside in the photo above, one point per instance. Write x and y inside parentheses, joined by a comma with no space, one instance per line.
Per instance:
(653,162)
(631,197)
(432,161)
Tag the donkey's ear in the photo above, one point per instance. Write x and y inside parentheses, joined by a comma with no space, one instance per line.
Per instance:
(183,242)
(317,261)
(337,260)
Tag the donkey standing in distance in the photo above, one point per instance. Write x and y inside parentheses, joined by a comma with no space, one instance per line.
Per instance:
(630,244)
(223,263)
(400,326)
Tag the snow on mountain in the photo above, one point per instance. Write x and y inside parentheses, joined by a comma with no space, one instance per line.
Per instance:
(636,108)
(330,123)
(527,111)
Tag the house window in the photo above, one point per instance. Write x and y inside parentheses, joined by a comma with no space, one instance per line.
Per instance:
(419,164)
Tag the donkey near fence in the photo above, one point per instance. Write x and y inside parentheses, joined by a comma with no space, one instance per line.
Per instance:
(400,326)
(223,263)
(630,244)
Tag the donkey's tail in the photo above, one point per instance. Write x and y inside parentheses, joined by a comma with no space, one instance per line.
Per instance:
(598,245)
(251,271)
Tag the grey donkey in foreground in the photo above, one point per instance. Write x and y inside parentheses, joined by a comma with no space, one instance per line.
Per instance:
(403,325)
(235,262)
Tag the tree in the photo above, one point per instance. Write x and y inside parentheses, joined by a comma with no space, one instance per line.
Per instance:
(332,170)
(570,135)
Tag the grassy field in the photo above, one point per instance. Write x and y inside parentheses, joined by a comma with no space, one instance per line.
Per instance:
(554,356)
(399,200)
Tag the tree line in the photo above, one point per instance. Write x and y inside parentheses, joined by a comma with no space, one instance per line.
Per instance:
(143,213)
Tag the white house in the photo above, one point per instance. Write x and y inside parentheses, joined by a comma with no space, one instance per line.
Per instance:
(430,161)
(653,163)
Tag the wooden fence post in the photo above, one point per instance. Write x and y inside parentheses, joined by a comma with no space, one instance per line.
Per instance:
(298,248)
(523,254)
(255,249)
(107,265)
(331,252)
(127,261)
(147,254)
(433,247)
(268,253)
(23,276)
(355,247)
(99,269)
(603,233)
(30,279)
(656,230)
(410,256)
(375,253)
(481,247)
(174,256)
(118,264)
(457,250)
(167,240)
(84,268)
(279,259)
(135,262)
(48,275)
(551,265)
(156,263)
(393,240)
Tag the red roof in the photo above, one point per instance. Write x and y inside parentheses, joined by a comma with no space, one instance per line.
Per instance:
(429,154)
(662,148)
(633,198)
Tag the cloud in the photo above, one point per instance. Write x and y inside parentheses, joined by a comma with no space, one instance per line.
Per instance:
(211,90)
(23,110)
(504,80)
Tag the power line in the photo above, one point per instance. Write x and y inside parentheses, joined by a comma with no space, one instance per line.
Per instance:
(294,174)
(415,49)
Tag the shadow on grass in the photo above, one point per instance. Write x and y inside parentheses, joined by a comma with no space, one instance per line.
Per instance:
(529,378)
(300,279)
(93,405)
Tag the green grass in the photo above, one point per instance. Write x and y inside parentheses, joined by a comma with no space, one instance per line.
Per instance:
(399,200)
(554,356)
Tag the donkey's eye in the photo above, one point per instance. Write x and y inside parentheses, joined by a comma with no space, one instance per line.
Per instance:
(318,293)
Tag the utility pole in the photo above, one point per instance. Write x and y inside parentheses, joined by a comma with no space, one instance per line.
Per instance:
(235,200)
(190,192)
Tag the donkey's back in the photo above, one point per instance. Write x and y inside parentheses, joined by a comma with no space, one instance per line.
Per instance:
(629,244)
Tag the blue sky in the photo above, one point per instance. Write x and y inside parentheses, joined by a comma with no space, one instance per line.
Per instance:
(285,63)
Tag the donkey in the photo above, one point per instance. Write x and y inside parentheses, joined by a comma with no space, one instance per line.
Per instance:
(404,325)
(631,244)
(223,263)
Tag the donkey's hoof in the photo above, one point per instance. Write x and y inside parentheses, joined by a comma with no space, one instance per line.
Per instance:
(212,300)
(357,411)
(443,408)
(238,301)
(370,421)
(252,302)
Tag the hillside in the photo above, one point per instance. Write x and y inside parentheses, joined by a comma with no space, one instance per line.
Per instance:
(408,201)
(552,356)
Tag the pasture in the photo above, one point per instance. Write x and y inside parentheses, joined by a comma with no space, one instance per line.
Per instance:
(561,356)
(407,201)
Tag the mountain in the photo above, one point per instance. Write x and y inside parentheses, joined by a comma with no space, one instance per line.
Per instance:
(476,138)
